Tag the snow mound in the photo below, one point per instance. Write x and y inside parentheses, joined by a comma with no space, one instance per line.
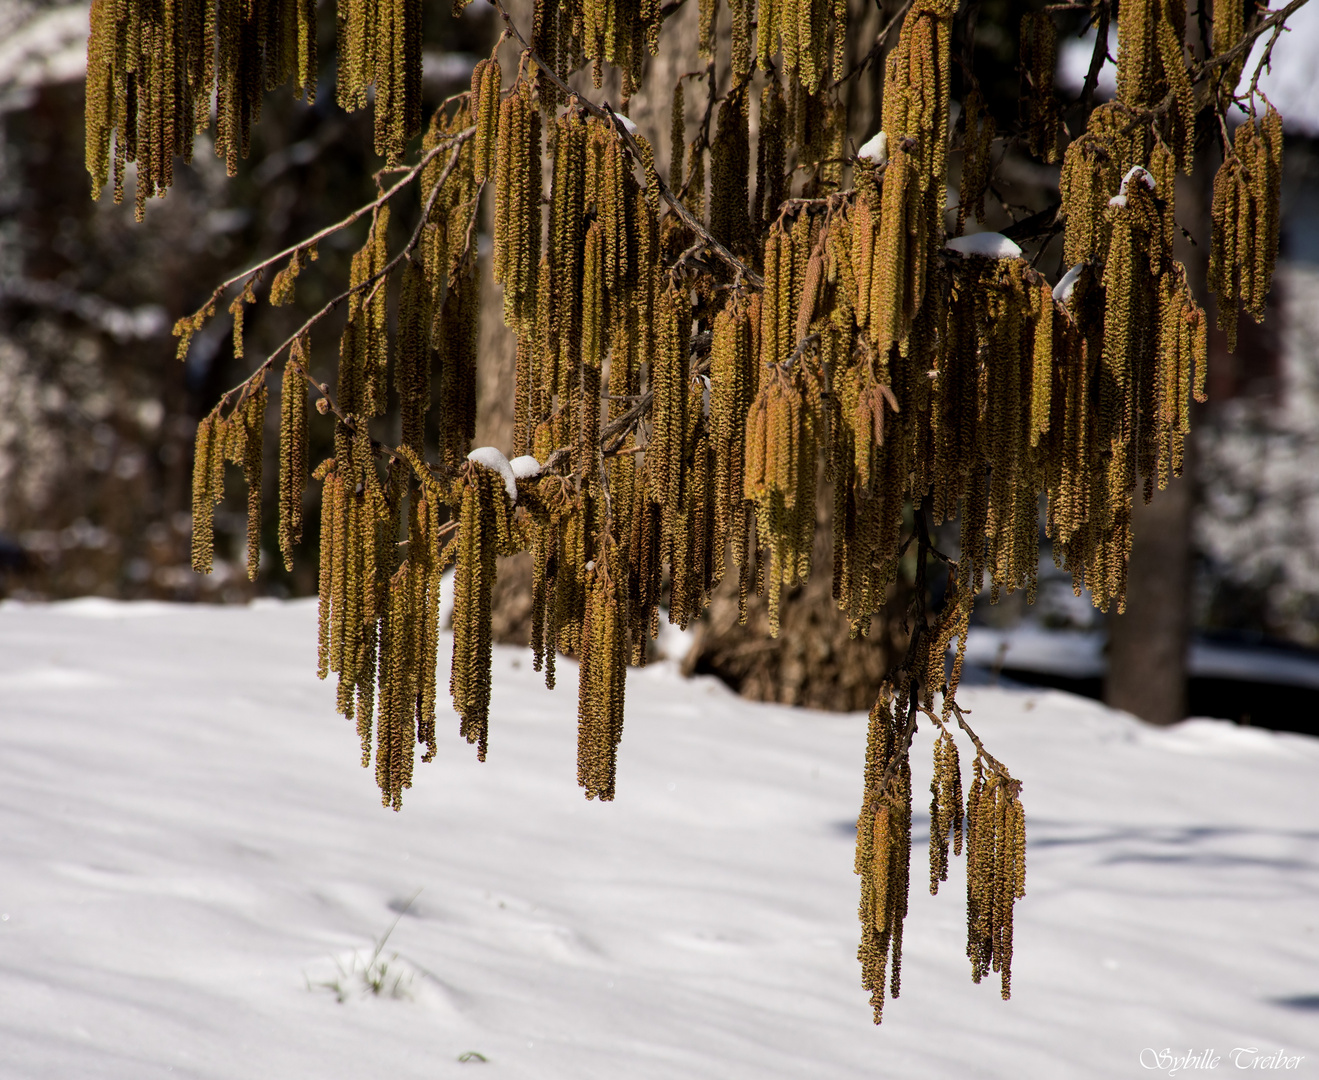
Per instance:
(525,467)
(492,459)
(1141,175)
(626,124)
(1138,173)
(875,149)
(990,244)
(1062,292)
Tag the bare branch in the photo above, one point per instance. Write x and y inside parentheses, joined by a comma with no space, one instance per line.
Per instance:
(411,174)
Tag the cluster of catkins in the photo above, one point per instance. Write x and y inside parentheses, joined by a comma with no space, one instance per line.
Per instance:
(693,357)
(153,68)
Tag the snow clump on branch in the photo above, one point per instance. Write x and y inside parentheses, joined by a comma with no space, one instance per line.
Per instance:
(492,459)
(990,244)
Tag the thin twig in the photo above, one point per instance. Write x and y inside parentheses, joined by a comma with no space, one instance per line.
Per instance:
(875,50)
(356,215)
(249,384)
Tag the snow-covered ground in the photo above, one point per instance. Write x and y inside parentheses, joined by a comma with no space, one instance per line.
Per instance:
(188,848)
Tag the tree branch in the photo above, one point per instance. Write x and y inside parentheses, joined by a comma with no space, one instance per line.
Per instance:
(356,215)
(249,384)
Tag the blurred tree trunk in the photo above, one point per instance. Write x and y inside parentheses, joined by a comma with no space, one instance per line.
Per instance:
(1147,644)
(496,372)
(813,662)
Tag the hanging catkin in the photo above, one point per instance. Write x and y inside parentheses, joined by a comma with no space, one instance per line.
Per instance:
(883,852)
(152,68)
(604,657)
(1151,64)
(995,873)
(248,427)
(1245,222)
(484,531)
(977,149)
(1040,113)
(207,489)
(730,159)
(293,448)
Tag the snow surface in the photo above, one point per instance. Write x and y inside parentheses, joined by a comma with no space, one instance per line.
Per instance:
(188,847)
(875,149)
(494,460)
(991,244)
(627,124)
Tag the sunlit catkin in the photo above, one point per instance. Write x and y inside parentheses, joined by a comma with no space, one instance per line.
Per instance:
(945,808)
(485,109)
(1040,112)
(1245,222)
(977,151)
(683,381)
(883,852)
(152,70)
(995,872)
(484,531)
(205,491)
(604,657)
(1151,64)
(293,448)
(251,416)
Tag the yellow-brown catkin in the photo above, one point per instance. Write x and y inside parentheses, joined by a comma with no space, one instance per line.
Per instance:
(252,417)
(1040,113)
(945,807)
(1244,219)
(1229,27)
(604,657)
(669,408)
(152,69)
(293,448)
(517,236)
(732,383)
(380,44)
(364,346)
(205,491)
(883,851)
(1042,364)
(485,108)
(484,531)
(995,873)
(977,157)
(1151,64)
(283,286)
